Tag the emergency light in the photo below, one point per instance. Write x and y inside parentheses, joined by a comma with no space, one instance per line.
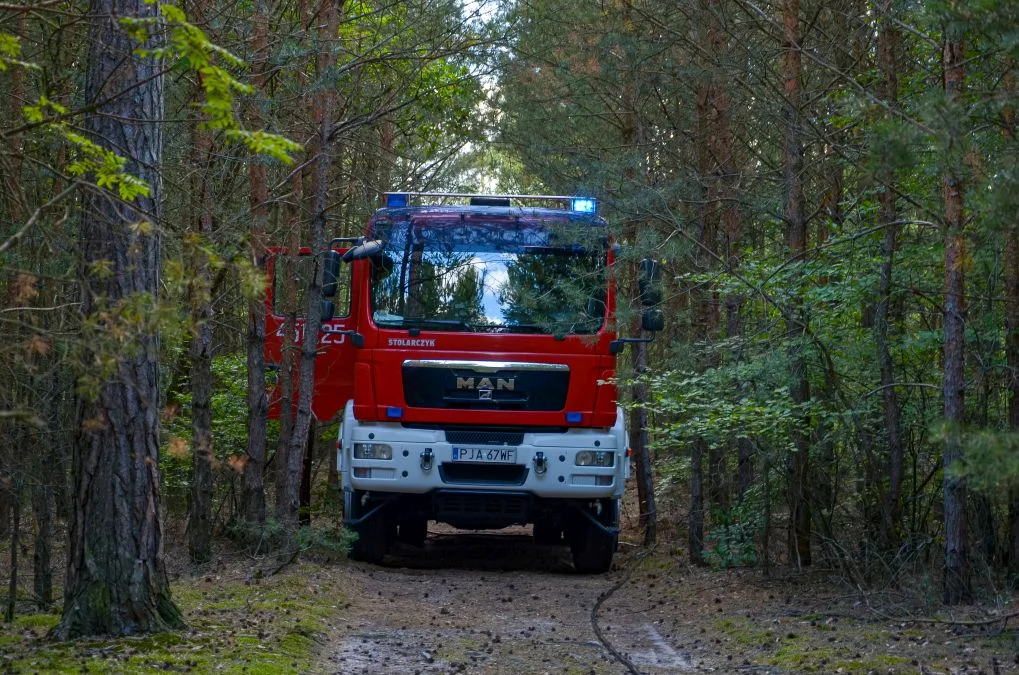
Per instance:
(396,200)
(399,200)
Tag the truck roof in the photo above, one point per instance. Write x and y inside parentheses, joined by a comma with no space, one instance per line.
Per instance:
(438,212)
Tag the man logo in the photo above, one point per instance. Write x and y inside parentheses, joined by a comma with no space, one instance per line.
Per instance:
(501,384)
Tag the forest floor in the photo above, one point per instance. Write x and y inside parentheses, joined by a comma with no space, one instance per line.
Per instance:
(497,603)
(494,602)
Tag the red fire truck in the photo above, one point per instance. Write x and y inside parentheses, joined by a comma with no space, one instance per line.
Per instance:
(469,350)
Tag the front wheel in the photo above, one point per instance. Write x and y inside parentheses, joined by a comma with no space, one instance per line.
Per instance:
(591,545)
(373,534)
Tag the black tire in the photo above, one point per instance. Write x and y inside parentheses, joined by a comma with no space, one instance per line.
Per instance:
(547,533)
(593,547)
(413,532)
(373,535)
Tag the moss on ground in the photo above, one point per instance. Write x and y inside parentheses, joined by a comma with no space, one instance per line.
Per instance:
(792,652)
(270,627)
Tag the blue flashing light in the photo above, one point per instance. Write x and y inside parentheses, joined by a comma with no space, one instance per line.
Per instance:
(396,200)
(574,417)
(394,413)
(582,205)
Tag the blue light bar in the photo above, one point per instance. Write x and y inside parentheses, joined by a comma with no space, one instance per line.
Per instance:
(574,417)
(394,412)
(396,200)
(582,205)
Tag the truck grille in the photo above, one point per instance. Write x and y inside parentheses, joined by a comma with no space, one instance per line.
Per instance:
(483,474)
(461,387)
(483,437)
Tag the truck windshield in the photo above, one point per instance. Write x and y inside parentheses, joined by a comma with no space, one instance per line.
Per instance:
(506,276)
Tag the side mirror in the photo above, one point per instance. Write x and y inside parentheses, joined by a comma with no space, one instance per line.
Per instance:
(330,273)
(366,250)
(650,288)
(652,320)
(328,310)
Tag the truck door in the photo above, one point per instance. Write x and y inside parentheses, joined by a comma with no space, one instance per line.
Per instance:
(334,365)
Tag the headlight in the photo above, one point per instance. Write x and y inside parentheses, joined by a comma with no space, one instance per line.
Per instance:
(373,451)
(595,458)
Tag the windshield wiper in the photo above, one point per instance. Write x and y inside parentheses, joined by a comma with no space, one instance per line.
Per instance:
(437,324)
(527,328)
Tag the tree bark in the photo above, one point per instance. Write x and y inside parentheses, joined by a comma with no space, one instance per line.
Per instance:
(1011,263)
(798,466)
(637,418)
(253,481)
(695,530)
(200,505)
(42,510)
(1012,376)
(289,509)
(116,582)
(956,581)
(15,544)
(888,91)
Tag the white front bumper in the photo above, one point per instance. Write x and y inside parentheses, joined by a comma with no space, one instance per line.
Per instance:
(408,472)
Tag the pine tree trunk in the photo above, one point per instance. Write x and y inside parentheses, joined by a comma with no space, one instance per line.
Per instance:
(1011,264)
(200,504)
(888,92)
(1012,377)
(12,161)
(289,510)
(792,161)
(15,544)
(253,482)
(637,418)
(42,510)
(116,582)
(956,581)
(640,442)
(695,533)
(46,468)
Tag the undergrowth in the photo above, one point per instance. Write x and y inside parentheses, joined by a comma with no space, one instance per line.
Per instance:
(253,625)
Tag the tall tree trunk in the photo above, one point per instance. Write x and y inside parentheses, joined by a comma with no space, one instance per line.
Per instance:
(15,544)
(42,567)
(640,442)
(289,510)
(695,528)
(307,473)
(116,582)
(888,92)
(798,496)
(706,310)
(1012,383)
(253,482)
(1011,263)
(637,417)
(200,503)
(956,581)
(46,469)
(287,374)
(10,175)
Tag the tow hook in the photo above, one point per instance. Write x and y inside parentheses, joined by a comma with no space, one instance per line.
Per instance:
(426,459)
(540,463)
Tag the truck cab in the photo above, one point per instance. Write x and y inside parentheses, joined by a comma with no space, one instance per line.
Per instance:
(475,374)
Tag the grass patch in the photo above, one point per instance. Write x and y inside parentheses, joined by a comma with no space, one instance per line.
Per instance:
(269,627)
(743,631)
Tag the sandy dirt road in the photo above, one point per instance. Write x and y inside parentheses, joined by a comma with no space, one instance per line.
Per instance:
(495,602)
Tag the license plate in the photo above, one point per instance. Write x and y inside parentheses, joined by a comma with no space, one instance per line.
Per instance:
(494,455)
